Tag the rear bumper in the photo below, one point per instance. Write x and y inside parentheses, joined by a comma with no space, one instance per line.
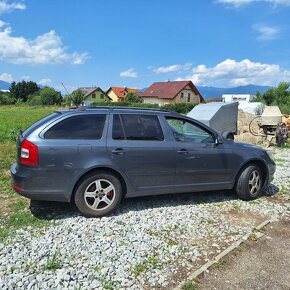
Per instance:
(21,180)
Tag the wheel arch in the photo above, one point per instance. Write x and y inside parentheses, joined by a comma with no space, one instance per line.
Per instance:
(98,169)
(260,163)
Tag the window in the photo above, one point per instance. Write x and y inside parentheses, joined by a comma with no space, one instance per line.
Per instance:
(137,127)
(83,127)
(93,95)
(188,97)
(185,131)
(181,96)
(101,96)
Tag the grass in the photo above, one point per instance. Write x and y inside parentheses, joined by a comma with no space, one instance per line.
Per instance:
(149,263)
(18,220)
(190,285)
(53,262)
(15,118)
(14,213)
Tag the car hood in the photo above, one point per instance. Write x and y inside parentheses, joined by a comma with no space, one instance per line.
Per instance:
(247,146)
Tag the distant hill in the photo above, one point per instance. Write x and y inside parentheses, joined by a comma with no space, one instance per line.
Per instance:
(4,85)
(212,92)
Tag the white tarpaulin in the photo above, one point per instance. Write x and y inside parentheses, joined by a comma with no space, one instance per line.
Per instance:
(255,108)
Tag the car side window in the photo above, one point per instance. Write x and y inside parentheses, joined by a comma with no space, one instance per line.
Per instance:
(185,131)
(137,127)
(82,127)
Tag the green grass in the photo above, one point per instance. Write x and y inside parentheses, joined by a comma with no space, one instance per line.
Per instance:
(190,285)
(149,263)
(15,118)
(53,262)
(14,213)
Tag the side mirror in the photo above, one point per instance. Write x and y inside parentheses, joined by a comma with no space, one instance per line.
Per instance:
(218,140)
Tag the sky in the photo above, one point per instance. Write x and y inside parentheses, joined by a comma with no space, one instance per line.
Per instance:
(133,43)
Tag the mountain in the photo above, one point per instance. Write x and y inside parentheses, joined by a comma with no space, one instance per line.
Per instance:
(4,85)
(212,92)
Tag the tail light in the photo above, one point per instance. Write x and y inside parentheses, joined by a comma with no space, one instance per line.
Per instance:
(28,153)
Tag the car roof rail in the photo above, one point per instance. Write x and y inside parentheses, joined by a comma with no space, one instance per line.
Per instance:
(84,108)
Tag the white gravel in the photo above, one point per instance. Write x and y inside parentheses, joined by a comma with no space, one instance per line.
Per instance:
(151,242)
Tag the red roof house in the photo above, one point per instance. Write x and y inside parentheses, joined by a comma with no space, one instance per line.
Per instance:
(172,92)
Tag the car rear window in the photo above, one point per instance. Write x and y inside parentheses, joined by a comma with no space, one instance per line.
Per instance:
(82,127)
(137,127)
(39,123)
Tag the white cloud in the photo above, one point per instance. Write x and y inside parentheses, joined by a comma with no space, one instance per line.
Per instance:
(2,23)
(6,77)
(238,3)
(130,73)
(172,68)
(45,82)
(6,6)
(265,32)
(25,78)
(44,49)
(232,73)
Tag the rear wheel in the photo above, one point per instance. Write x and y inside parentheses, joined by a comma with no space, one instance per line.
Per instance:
(249,183)
(98,194)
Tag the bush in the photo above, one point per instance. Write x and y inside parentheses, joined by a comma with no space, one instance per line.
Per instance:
(181,108)
(49,96)
(6,99)
(34,101)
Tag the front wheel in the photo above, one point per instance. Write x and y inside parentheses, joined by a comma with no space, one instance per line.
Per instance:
(98,194)
(249,183)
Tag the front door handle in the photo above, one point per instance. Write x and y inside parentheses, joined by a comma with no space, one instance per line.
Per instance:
(118,151)
(182,151)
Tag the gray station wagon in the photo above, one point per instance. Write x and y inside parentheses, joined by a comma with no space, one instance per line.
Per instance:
(95,156)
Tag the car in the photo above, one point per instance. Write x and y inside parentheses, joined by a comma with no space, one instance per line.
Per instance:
(96,156)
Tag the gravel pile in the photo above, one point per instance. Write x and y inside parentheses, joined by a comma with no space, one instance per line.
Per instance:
(151,242)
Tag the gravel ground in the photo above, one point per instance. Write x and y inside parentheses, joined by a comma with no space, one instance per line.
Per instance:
(150,243)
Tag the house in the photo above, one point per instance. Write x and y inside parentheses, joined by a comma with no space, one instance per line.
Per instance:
(172,92)
(94,95)
(229,98)
(118,94)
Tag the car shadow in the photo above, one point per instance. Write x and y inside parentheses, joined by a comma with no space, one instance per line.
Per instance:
(48,210)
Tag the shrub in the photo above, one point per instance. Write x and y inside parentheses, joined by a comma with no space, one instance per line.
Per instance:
(181,108)
(6,99)
(34,101)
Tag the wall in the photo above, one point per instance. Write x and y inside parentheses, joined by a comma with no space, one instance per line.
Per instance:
(98,97)
(113,96)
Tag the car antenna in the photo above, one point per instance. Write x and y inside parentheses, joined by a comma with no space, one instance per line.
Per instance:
(65,89)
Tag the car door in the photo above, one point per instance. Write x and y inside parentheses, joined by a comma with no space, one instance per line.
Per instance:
(201,163)
(138,146)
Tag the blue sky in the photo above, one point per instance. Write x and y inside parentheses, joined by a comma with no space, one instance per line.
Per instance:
(136,42)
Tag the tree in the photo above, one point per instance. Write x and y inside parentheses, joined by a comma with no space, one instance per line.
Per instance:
(5,99)
(133,98)
(279,96)
(49,96)
(77,97)
(22,89)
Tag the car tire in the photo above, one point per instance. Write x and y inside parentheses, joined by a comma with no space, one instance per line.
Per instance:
(249,183)
(98,194)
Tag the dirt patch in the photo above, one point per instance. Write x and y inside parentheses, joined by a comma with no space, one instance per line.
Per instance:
(244,120)
(262,264)
(241,218)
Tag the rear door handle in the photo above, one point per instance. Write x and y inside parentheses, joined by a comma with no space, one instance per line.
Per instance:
(182,151)
(118,151)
